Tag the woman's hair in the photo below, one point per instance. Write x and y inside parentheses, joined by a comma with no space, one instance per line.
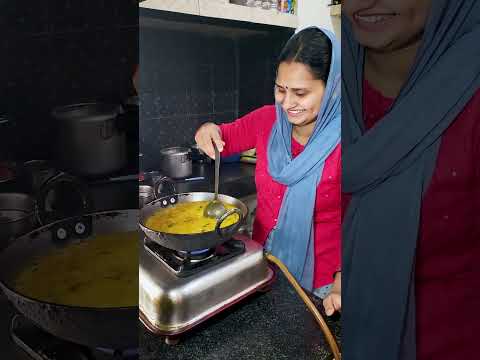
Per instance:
(310,47)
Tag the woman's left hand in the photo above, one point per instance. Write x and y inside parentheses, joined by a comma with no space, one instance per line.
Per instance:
(333,302)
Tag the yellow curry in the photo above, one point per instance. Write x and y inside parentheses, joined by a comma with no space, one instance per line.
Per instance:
(99,272)
(187,218)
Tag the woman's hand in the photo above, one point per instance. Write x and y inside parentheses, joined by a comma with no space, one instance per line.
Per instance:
(206,134)
(333,302)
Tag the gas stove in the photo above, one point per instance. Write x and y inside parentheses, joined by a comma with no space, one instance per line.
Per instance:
(40,345)
(184,264)
(179,290)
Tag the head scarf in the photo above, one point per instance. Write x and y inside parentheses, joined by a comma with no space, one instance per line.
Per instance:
(387,170)
(292,240)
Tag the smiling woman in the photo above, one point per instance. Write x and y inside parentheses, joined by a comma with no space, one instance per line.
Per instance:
(297,141)
(391,30)
(299,93)
(388,24)
(411,179)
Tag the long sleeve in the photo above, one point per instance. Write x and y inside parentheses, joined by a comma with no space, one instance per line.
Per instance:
(242,134)
(327,221)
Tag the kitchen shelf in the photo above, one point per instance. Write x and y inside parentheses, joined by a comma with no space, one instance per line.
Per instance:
(179,6)
(223,9)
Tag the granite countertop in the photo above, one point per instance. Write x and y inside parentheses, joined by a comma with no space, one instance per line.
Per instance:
(273,325)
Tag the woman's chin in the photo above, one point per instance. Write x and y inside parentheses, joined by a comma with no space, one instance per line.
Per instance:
(300,122)
(297,120)
(375,42)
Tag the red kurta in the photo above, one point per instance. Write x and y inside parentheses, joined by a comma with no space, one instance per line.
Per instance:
(448,252)
(253,131)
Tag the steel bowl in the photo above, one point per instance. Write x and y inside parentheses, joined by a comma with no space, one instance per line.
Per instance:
(146,194)
(17,216)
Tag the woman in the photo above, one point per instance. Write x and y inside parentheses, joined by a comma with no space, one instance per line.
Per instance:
(410,135)
(298,161)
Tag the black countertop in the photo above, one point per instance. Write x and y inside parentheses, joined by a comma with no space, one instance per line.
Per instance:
(273,325)
(236,179)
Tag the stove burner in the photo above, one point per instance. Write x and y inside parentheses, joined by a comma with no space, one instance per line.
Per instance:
(40,345)
(184,264)
(198,252)
(196,255)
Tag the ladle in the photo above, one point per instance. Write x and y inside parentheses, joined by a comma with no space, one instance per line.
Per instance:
(215,208)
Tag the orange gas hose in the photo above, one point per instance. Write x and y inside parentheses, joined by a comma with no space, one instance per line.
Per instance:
(310,305)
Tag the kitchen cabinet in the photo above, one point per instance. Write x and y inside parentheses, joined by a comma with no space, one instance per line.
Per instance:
(223,9)
(178,6)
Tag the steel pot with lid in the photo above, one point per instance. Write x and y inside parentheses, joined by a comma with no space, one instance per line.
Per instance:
(91,138)
(176,162)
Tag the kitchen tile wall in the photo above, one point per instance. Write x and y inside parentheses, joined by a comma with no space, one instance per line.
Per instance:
(258,60)
(62,51)
(188,78)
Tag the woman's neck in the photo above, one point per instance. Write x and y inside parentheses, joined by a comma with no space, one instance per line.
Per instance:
(388,72)
(301,134)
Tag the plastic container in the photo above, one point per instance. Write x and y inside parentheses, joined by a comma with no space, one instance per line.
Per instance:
(231,159)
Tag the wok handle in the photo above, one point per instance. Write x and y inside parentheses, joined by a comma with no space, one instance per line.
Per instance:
(227,234)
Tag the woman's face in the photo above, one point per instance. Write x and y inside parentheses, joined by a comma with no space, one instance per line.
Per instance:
(298,92)
(387,25)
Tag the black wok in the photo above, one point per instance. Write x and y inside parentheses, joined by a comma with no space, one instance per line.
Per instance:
(113,328)
(198,241)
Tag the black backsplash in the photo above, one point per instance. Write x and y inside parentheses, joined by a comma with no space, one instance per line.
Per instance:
(191,76)
(57,52)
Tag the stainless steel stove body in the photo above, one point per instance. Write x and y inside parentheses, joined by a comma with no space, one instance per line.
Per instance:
(177,292)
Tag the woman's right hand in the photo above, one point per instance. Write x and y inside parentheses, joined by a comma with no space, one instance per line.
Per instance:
(206,135)
(333,302)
